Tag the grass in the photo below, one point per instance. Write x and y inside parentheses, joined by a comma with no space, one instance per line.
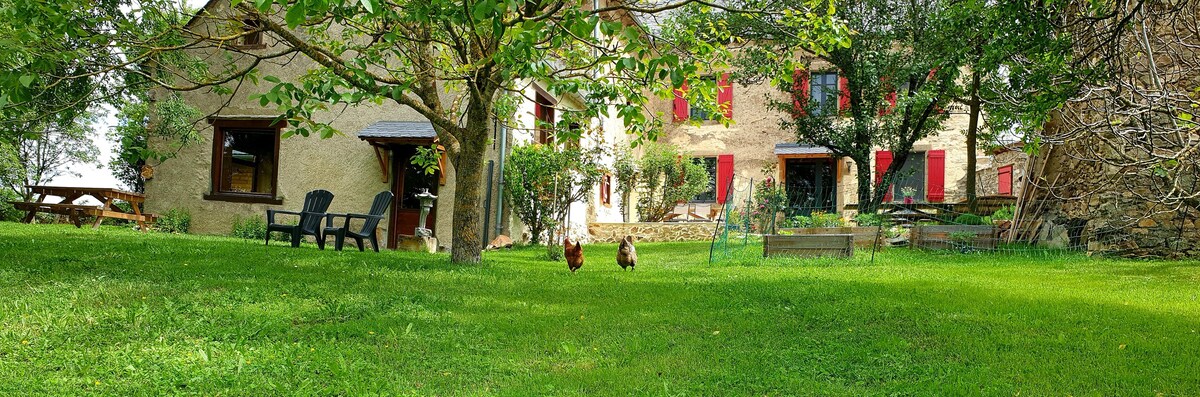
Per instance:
(113,312)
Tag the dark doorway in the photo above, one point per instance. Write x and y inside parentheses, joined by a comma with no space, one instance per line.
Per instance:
(810,185)
(407,181)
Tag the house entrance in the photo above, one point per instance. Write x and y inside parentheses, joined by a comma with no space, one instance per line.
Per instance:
(810,185)
(407,181)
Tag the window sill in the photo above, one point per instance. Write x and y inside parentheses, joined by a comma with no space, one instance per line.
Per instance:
(243,198)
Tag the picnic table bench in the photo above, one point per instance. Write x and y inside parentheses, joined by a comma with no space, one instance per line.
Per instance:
(74,212)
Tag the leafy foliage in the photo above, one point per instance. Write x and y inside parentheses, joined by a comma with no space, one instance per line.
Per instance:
(625,170)
(251,228)
(666,176)
(175,220)
(173,130)
(543,181)
(968,219)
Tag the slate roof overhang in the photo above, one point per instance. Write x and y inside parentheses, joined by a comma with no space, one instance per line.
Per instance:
(782,149)
(407,132)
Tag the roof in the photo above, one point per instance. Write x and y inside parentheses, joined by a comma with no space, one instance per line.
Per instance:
(796,148)
(399,129)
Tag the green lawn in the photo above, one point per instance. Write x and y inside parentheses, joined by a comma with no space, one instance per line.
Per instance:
(119,313)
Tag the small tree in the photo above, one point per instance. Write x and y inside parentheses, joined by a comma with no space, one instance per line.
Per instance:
(134,131)
(666,178)
(625,170)
(544,181)
(46,152)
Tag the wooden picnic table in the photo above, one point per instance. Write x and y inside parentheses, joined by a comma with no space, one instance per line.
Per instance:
(67,205)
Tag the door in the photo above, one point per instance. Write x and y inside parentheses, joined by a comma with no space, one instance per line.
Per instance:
(810,186)
(407,182)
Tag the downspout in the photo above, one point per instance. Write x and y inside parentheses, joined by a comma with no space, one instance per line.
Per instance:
(503,141)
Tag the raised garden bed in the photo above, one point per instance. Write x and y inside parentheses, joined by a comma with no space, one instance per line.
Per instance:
(864,237)
(808,245)
(947,237)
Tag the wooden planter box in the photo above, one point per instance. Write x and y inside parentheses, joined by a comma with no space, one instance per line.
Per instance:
(938,236)
(809,245)
(864,237)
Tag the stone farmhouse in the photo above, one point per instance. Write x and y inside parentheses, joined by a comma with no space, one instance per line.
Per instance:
(244,166)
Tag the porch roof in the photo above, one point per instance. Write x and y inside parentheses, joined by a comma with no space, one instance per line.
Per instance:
(388,130)
(796,148)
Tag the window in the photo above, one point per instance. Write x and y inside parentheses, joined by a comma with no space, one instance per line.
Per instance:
(544,114)
(710,193)
(700,112)
(245,161)
(823,91)
(253,36)
(606,190)
(912,174)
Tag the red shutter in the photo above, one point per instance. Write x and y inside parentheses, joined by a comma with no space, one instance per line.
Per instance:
(800,94)
(724,176)
(843,94)
(883,160)
(1005,182)
(725,95)
(936,176)
(681,103)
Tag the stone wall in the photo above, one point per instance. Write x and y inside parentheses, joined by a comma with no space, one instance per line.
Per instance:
(1095,207)
(651,231)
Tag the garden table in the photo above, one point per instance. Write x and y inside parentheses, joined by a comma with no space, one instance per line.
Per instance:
(67,205)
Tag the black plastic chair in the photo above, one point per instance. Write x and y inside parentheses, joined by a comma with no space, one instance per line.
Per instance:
(316,204)
(370,221)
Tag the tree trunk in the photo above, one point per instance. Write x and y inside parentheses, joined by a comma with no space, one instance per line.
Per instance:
(862,168)
(972,138)
(467,245)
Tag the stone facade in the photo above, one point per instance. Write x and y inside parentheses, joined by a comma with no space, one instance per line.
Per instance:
(651,231)
(755,131)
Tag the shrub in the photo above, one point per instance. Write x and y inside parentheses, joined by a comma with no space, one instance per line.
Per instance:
(174,221)
(253,228)
(666,176)
(866,220)
(543,182)
(800,221)
(7,211)
(968,219)
(1005,213)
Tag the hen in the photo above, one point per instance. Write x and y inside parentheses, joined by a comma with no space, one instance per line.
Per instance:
(627,253)
(574,254)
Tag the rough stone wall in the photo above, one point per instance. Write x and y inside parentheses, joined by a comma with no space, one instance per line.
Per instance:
(651,231)
(1091,206)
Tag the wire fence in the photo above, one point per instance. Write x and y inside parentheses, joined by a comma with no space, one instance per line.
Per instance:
(996,226)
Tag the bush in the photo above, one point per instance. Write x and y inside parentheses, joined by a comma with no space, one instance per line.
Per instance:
(800,221)
(968,219)
(252,228)
(665,176)
(7,211)
(866,220)
(174,221)
(1005,213)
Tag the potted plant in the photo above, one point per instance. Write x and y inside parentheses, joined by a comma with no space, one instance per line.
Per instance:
(907,193)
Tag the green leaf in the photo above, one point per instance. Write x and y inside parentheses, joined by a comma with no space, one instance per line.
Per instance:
(26,80)
(295,15)
(369,5)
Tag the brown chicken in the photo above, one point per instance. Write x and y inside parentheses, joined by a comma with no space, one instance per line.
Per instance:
(627,253)
(574,254)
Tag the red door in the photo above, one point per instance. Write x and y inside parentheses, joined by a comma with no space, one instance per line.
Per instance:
(407,181)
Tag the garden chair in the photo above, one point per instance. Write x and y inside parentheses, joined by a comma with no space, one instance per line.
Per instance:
(370,221)
(316,203)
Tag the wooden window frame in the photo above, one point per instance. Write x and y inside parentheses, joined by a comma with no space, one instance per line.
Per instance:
(253,38)
(219,130)
(543,119)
